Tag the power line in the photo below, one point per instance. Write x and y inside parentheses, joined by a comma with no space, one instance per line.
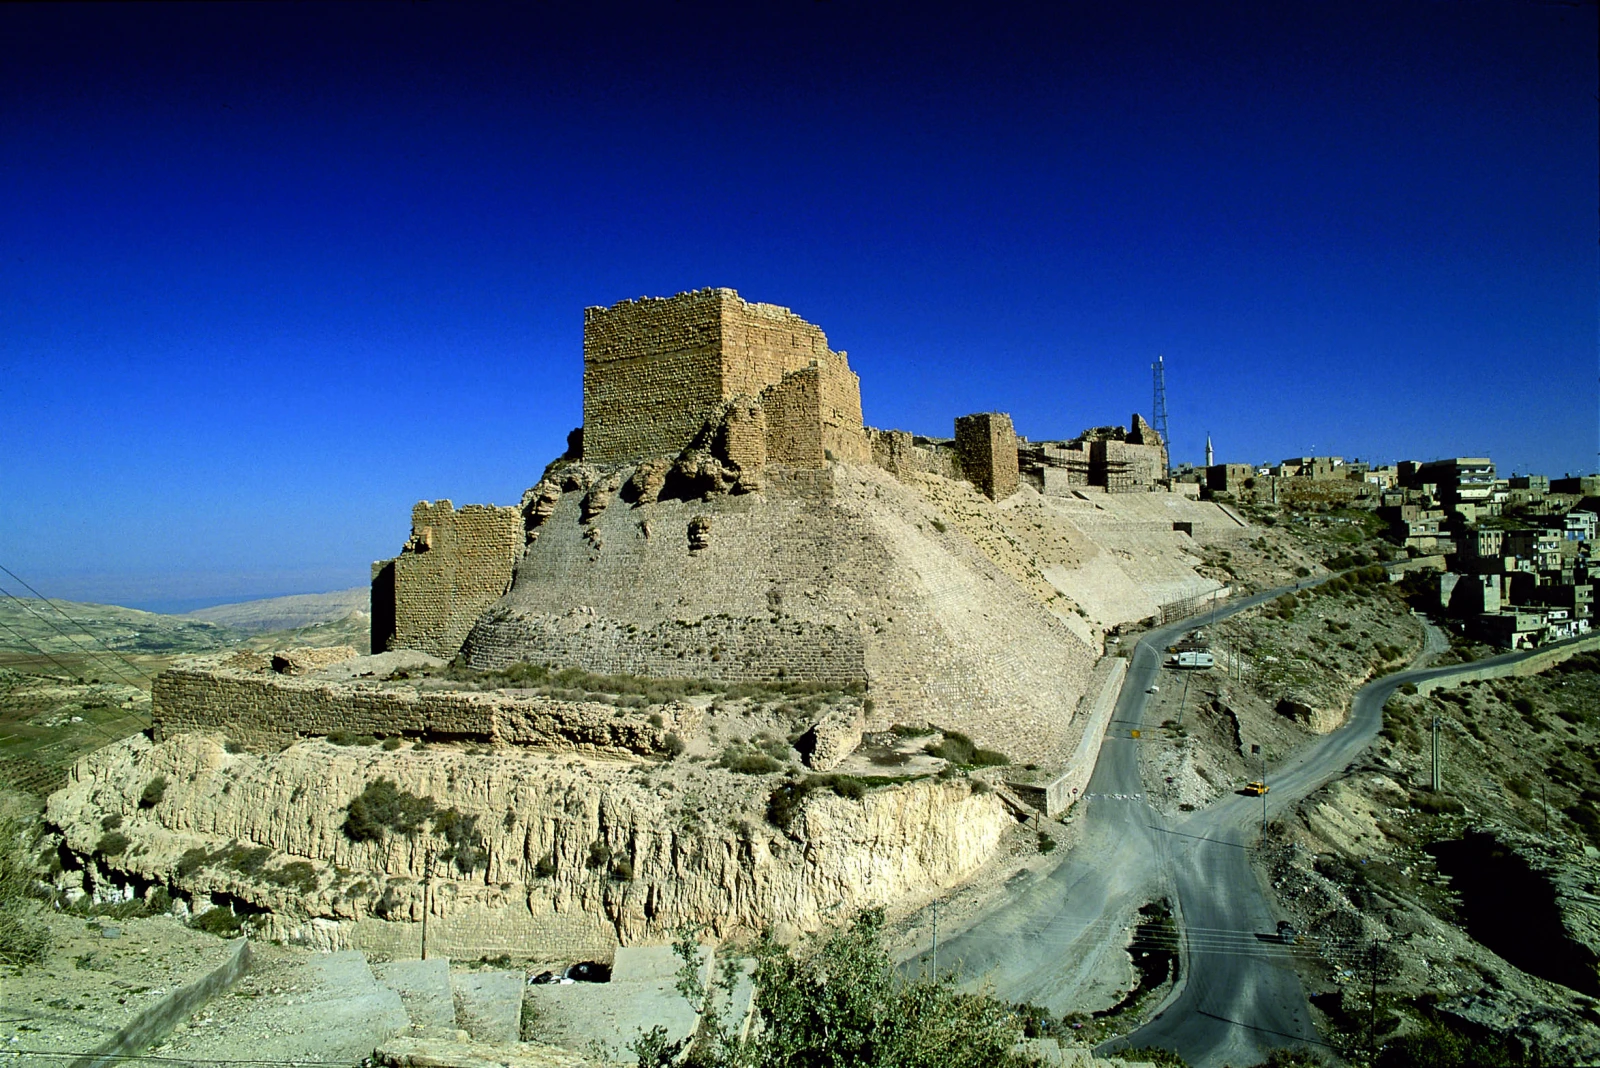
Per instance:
(73,675)
(66,617)
(51,624)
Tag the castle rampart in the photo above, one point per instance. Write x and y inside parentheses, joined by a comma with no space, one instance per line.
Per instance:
(455,565)
(261,710)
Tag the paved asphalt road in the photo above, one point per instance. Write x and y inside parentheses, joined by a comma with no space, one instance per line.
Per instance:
(1240,995)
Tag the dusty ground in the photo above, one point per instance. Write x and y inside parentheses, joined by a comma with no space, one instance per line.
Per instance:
(93,984)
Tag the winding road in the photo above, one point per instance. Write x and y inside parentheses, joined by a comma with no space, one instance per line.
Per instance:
(1239,996)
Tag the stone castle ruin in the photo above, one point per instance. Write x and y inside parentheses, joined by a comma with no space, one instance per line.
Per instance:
(728,582)
(688,398)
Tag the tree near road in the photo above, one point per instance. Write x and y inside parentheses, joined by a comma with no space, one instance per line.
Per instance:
(835,1001)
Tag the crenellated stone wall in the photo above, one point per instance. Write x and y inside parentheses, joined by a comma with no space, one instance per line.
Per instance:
(455,565)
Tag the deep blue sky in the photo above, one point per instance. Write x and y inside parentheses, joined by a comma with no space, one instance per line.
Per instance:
(270,274)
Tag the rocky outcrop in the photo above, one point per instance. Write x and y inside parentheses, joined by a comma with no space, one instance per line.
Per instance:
(580,854)
(832,738)
(1312,716)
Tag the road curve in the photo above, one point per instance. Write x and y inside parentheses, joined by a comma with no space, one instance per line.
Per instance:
(1241,995)
(1044,943)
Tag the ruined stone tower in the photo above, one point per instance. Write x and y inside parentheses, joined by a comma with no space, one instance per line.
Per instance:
(655,369)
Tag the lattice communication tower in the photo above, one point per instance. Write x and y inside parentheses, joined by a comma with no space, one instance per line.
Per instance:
(1158,408)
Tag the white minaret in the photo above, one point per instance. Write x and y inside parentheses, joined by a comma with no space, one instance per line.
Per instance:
(1209,458)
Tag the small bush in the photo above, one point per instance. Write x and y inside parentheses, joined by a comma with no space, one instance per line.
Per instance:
(750,763)
(622,870)
(153,792)
(296,875)
(220,921)
(674,746)
(111,822)
(112,845)
(1046,843)
(980,787)
(381,807)
(546,868)
(1409,689)
(599,854)
(192,861)
(1437,804)
(393,742)
(347,738)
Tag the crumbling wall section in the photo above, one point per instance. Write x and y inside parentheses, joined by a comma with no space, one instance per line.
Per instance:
(455,565)
(899,453)
(651,369)
(763,342)
(987,446)
(1122,467)
(794,419)
(270,711)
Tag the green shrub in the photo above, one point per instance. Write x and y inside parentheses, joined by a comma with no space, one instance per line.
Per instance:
(220,921)
(599,854)
(153,792)
(837,999)
(296,875)
(1046,843)
(393,742)
(674,746)
(347,738)
(622,870)
(1437,804)
(113,844)
(111,822)
(546,868)
(192,861)
(750,763)
(383,807)
(464,844)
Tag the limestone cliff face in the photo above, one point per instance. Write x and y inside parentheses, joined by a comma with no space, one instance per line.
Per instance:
(582,853)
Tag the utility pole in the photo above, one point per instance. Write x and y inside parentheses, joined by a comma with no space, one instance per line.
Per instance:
(1257,750)
(1372,1013)
(1158,412)
(1438,776)
(936,941)
(427,886)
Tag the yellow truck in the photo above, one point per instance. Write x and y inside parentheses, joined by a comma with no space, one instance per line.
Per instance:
(1255,788)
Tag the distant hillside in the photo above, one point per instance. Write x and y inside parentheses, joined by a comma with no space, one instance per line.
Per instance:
(73,627)
(286,613)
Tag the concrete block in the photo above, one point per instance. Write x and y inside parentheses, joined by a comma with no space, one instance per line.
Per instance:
(489,1005)
(424,989)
